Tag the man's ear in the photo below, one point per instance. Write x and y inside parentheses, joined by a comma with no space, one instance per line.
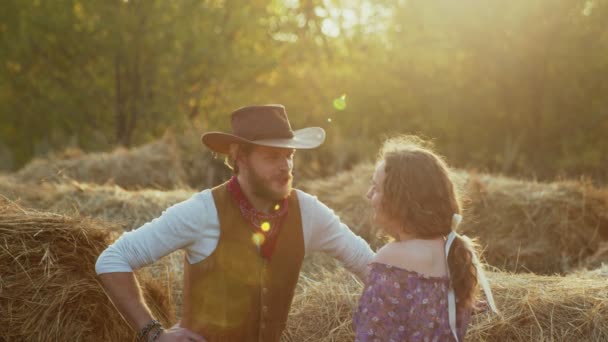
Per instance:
(239,161)
(237,156)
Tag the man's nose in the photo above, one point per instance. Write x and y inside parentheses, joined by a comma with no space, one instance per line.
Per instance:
(369,194)
(286,164)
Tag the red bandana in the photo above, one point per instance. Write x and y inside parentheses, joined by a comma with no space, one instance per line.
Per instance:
(266,227)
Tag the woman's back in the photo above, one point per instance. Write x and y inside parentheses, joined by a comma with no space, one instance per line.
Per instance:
(426,257)
(406,296)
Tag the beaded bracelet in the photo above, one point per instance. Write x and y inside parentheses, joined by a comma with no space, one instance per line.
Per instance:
(146,330)
(156,335)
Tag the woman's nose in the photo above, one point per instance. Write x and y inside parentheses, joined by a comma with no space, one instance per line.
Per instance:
(369,194)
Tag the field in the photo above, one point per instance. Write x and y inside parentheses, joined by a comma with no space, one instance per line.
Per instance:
(103,103)
(544,244)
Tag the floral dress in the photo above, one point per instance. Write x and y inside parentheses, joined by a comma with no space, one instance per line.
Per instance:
(400,305)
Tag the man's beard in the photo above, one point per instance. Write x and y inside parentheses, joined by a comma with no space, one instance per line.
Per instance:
(261,187)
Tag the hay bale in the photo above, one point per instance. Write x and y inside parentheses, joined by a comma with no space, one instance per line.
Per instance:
(546,308)
(539,227)
(168,273)
(523,225)
(154,165)
(325,297)
(533,308)
(48,288)
(129,209)
(201,168)
(599,259)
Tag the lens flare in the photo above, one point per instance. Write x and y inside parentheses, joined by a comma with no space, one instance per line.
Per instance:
(340,103)
(257,239)
(589,6)
(265,226)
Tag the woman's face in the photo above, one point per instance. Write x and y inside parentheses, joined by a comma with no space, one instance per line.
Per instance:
(375,193)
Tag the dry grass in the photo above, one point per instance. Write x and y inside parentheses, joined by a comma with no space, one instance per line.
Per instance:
(155,165)
(599,259)
(168,272)
(200,167)
(533,308)
(544,228)
(323,303)
(130,209)
(48,288)
(546,308)
(541,227)
(177,160)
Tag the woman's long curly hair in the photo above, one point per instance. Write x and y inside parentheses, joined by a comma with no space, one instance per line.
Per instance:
(419,194)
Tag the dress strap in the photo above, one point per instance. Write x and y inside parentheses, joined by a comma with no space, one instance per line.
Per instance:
(481,278)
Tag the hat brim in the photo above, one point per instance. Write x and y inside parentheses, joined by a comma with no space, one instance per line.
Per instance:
(303,139)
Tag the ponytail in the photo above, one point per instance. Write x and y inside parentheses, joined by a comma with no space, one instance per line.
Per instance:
(463,272)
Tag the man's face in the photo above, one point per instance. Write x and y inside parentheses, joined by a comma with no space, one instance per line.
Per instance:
(268,171)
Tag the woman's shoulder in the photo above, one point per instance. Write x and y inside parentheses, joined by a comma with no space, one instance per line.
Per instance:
(403,254)
(414,255)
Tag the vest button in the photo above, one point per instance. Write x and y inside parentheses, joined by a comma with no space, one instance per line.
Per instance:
(262,325)
(264,291)
(264,309)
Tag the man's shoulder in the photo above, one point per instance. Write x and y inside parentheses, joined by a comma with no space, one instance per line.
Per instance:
(310,205)
(303,194)
(197,202)
(203,195)
(307,199)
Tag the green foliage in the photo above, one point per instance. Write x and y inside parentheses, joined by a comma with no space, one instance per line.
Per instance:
(517,87)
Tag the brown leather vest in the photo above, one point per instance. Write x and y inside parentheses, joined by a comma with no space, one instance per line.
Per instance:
(236,295)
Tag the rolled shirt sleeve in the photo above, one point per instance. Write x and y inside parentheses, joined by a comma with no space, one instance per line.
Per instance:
(186,225)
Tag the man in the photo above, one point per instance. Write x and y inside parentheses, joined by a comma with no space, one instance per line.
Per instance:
(244,240)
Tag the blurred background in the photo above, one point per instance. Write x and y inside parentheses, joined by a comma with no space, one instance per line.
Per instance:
(515,87)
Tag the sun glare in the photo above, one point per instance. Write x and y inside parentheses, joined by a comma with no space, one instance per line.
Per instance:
(257,239)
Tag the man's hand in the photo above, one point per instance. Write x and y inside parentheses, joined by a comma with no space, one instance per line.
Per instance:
(179,334)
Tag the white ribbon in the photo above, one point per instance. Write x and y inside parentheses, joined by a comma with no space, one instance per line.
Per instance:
(481,278)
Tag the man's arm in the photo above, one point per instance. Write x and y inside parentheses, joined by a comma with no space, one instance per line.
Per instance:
(180,226)
(123,290)
(324,232)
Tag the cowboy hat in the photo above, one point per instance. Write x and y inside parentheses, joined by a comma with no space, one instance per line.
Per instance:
(265,125)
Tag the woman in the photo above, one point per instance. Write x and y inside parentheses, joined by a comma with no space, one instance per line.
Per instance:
(422,286)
